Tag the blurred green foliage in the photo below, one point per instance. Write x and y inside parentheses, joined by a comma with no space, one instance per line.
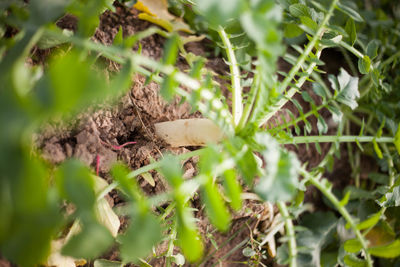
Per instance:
(33,194)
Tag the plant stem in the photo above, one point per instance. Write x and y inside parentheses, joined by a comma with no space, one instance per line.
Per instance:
(390,59)
(289,233)
(237,108)
(299,119)
(351,49)
(335,138)
(292,91)
(146,168)
(295,69)
(341,209)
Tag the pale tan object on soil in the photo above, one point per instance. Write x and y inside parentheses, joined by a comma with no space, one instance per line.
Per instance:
(189,132)
(58,260)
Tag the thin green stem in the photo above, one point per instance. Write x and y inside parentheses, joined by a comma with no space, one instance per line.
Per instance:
(349,62)
(351,49)
(170,252)
(295,69)
(335,138)
(292,91)
(299,119)
(237,108)
(341,209)
(255,87)
(289,233)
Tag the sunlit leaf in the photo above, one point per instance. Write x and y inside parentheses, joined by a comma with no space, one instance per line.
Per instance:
(371,221)
(364,64)
(397,139)
(391,250)
(215,206)
(347,86)
(189,239)
(353,261)
(352,245)
(350,29)
(233,189)
(118,39)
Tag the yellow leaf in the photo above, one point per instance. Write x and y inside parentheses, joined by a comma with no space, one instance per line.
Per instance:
(156,12)
(160,22)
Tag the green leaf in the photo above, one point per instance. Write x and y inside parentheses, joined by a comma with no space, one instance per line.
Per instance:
(76,184)
(377,150)
(372,49)
(397,139)
(70,84)
(215,206)
(322,126)
(292,30)
(309,23)
(247,164)
(50,38)
(171,50)
(299,10)
(189,239)
(118,39)
(233,189)
(392,198)
(364,64)
(143,233)
(349,11)
(353,261)
(391,250)
(347,86)
(261,27)
(350,29)
(170,168)
(45,11)
(371,221)
(318,233)
(219,12)
(306,97)
(279,181)
(319,90)
(352,245)
(94,240)
(345,199)
(29,211)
